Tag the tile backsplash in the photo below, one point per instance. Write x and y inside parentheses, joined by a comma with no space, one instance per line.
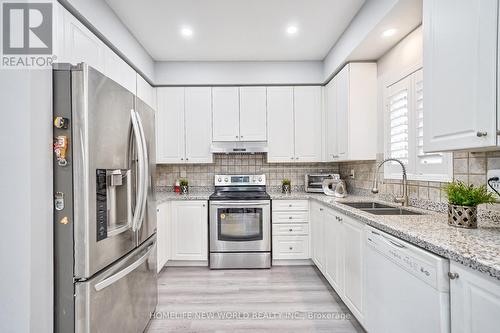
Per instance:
(202,175)
(470,168)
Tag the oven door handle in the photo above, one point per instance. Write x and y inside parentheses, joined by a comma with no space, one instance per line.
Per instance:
(239,204)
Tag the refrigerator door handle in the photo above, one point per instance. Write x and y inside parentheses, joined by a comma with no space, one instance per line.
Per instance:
(124,272)
(140,170)
(146,170)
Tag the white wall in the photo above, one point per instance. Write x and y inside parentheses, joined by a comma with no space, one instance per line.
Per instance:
(102,17)
(403,58)
(238,72)
(26,290)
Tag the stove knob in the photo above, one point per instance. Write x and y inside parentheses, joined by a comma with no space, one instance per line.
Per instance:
(260,179)
(226,179)
(219,179)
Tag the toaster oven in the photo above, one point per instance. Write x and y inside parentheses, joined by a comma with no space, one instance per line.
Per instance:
(314,182)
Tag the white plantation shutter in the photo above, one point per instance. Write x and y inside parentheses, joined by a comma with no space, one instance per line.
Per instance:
(398,125)
(405,130)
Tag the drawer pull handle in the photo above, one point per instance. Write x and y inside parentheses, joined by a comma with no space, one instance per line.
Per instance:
(290,230)
(291,248)
(290,205)
(289,217)
(453,276)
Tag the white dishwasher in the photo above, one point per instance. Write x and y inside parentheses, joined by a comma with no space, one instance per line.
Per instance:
(407,288)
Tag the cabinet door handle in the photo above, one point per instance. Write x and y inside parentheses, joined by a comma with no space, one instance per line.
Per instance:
(203,205)
(453,276)
(290,230)
(321,209)
(236,137)
(289,217)
(296,158)
(241,136)
(291,158)
(481,134)
(182,158)
(291,248)
(290,205)
(187,159)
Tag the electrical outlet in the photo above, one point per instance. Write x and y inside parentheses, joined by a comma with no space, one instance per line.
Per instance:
(351,175)
(494,184)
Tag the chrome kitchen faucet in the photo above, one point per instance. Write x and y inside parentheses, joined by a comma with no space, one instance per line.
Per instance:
(402,200)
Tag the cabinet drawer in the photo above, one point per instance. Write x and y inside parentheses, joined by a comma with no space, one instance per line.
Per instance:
(290,217)
(290,247)
(291,229)
(287,205)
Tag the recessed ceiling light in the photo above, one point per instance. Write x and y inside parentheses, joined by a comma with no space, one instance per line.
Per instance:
(292,29)
(389,32)
(187,32)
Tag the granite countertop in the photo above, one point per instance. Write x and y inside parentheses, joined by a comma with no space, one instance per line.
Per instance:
(161,197)
(478,248)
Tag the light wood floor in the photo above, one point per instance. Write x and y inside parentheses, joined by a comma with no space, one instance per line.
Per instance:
(281,299)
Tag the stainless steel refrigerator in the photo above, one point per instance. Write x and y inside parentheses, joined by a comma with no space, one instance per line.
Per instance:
(104,204)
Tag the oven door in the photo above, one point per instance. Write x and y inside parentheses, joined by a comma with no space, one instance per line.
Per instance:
(240,226)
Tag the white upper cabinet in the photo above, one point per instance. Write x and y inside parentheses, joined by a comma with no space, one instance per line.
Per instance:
(330,95)
(253,111)
(280,124)
(460,74)
(79,44)
(118,70)
(294,124)
(170,138)
(145,92)
(183,125)
(342,114)
(307,106)
(239,114)
(198,120)
(226,114)
(351,113)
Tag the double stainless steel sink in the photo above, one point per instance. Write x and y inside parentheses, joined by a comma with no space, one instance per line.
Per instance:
(380,209)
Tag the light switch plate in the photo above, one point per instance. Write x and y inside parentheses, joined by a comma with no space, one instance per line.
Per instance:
(495,184)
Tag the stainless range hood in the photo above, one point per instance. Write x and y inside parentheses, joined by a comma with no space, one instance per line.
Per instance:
(238,147)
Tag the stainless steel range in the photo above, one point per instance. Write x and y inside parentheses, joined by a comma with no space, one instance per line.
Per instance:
(240,222)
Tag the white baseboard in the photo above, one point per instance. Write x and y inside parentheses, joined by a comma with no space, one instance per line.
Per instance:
(187,263)
(292,262)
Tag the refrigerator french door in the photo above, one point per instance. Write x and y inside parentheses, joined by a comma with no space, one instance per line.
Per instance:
(104,225)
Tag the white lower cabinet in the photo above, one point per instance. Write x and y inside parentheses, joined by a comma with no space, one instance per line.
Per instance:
(337,250)
(189,230)
(317,235)
(162,234)
(334,261)
(475,301)
(353,260)
(290,229)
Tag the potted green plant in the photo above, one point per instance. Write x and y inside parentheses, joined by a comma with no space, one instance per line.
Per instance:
(463,201)
(286,186)
(184,185)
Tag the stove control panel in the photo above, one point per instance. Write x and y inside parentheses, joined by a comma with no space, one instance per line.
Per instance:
(239,180)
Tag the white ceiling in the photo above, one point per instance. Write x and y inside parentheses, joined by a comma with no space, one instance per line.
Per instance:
(236,30)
